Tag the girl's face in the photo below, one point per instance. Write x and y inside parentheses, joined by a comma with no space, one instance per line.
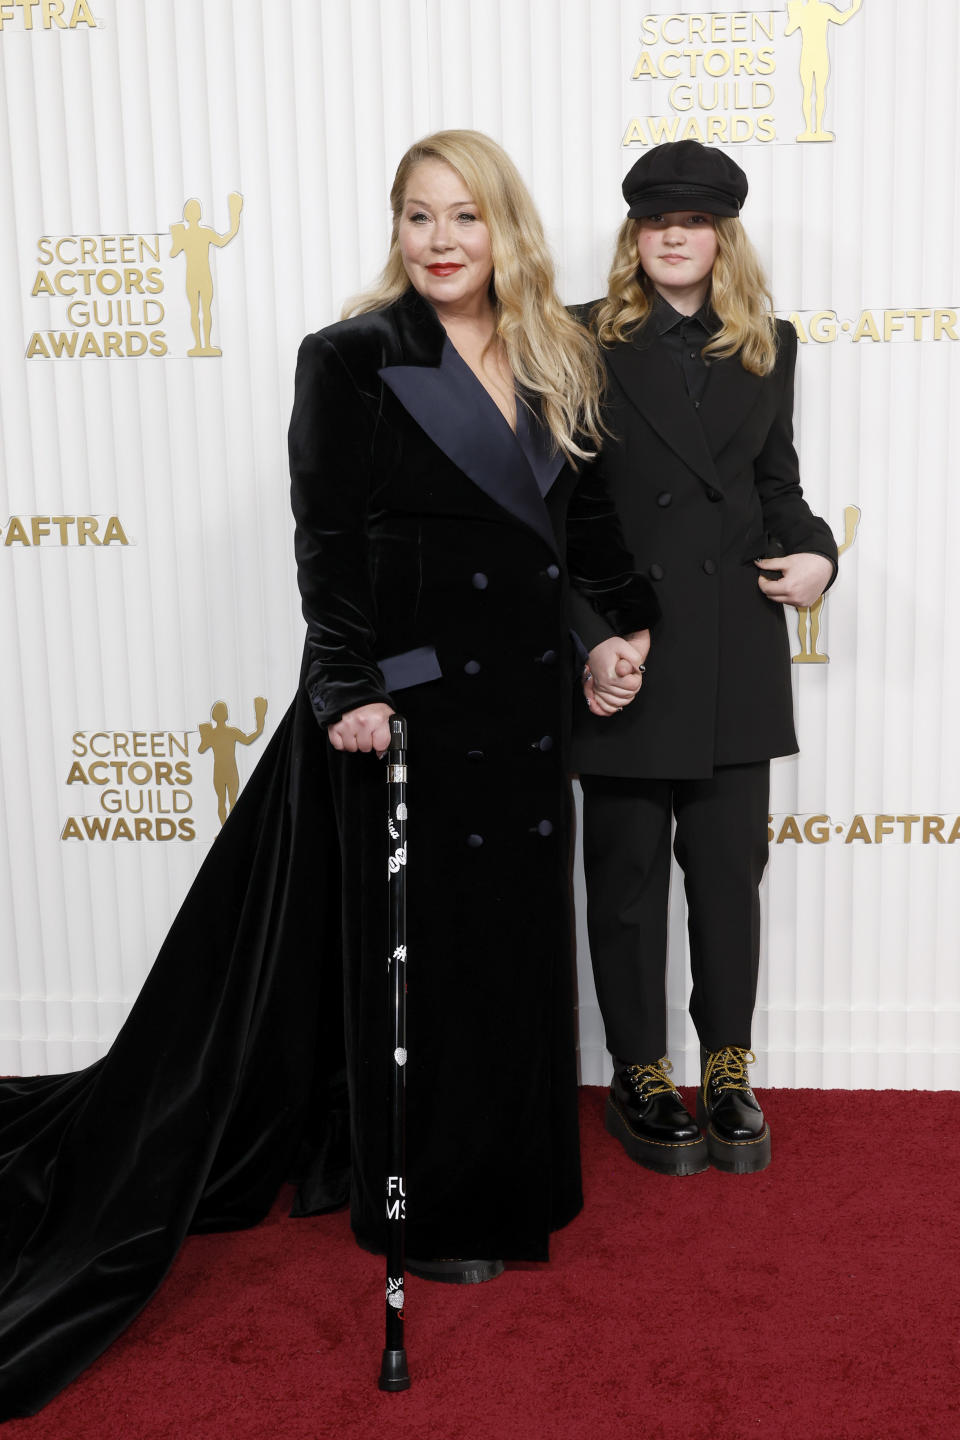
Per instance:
(444,242)
(677,251)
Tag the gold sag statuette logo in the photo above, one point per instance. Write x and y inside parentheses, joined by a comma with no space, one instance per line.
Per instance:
(223,740)
(48,13)
(808,616)
(194,241)
(713,75)
(813,19)
(114,288)
(140,781)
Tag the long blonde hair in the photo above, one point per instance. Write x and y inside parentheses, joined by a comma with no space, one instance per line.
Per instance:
(550,355)
(738,294)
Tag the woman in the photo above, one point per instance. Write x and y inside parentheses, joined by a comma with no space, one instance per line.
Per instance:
(436,513)
(702,467)
(435,510)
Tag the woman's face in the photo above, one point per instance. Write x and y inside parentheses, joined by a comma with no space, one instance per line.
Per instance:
(677,251)
(444,243)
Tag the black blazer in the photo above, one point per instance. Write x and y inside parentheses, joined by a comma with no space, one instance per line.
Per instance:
(701,494)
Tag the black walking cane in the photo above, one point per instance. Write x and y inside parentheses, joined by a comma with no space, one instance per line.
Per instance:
(393,1368)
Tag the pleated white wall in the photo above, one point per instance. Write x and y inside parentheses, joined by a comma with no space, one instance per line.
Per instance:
(113,117)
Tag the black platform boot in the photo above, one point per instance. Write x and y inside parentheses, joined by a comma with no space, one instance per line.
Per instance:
(646,1114)
(738,1137)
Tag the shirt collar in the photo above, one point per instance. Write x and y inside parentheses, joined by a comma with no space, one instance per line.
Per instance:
(666,318)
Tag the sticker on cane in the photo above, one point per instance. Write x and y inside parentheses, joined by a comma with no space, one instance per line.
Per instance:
(400,1055)
(398,858)
(401,811)
(395,1292)
(394,832)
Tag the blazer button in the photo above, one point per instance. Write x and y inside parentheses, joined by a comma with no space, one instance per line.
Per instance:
(545,827)
(549,657)
(480,581)
(553,571)
(474,841)
(714,495)
(664,498)
(709,567)
(472,667)
(656,572)
(545,743)
(475,755)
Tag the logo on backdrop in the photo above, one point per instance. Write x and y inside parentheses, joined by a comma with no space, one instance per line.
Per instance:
(46,14)
(223,740)
(195,241)
(864,830)
(732,77)
(48,532)
(141,784)
(813,19)
(108,297)
(879,327)
(808,616)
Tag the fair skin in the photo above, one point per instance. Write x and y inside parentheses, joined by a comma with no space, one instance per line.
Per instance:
(677,251)
(445,246)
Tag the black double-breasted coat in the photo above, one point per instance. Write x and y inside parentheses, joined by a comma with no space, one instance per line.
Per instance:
(435,551)
(702,493)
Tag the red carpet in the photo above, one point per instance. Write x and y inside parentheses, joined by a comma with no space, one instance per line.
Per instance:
(818,1300)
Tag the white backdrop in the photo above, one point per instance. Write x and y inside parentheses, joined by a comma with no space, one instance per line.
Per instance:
(145,541)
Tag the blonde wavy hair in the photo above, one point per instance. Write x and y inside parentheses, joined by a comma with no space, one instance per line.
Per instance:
(550,354)
(738,294)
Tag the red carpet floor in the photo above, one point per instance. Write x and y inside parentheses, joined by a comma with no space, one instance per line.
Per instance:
(818,1300)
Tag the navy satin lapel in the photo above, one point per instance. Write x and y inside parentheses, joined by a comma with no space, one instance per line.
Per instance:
(536,442)
(444,401)
(654,384)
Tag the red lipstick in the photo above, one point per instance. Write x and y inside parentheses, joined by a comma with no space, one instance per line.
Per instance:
(444,269)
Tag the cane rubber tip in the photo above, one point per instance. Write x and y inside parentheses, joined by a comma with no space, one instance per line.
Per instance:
(393,1371)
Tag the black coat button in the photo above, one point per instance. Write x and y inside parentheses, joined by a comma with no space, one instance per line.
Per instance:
(545,827)
(709,567)
(472,667)
(474,841)
(656,572)
(553,571)
(475,755)
(549,657)
(545,743)
(480,581)
(714,495)
(664,498)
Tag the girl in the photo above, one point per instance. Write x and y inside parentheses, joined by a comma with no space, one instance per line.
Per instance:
(703,470)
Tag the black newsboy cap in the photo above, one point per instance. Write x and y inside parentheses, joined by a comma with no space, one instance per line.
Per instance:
(684,175)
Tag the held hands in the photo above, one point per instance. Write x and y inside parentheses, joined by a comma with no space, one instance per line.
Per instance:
(366,728)
(804,577)
(614,672)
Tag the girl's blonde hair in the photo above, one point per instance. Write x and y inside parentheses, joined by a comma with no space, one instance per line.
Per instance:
(551,356)
(738,294)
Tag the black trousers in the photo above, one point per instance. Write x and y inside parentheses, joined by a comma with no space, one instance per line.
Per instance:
(721,845)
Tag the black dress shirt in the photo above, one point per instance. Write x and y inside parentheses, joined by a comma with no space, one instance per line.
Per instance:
(683,337)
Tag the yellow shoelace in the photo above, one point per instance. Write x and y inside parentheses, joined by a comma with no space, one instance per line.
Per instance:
(728,1069)
(653,1079)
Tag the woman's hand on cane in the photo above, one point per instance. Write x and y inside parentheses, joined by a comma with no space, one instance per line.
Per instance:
(364,729)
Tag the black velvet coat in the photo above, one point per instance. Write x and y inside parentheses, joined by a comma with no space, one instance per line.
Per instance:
(701,494)
(433,549)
